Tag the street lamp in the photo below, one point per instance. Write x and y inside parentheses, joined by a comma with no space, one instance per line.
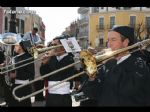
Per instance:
(12,27)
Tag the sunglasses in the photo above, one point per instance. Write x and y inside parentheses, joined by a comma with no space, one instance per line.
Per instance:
(52,45)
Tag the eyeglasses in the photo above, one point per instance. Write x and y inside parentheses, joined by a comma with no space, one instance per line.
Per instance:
(53,44)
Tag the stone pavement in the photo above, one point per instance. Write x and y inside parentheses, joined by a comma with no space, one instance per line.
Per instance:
(42,103)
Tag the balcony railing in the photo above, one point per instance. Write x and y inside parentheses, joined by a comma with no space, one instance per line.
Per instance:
(109,26)
(132,25)
(143,26)
(100,27)
(81,34)
(83,21)
(103,27)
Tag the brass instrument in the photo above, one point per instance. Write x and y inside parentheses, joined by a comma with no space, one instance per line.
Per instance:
(8,40)
(90,66)
(34,52)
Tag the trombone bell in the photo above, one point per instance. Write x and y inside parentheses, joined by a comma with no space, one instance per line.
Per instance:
(89,63)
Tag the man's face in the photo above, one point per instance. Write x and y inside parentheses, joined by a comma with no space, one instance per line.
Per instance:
(34,32)
(17,48)
(115,42)
(55,43)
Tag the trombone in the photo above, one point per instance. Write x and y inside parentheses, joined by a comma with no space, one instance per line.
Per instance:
(89,62)
(34,52)
(10,39)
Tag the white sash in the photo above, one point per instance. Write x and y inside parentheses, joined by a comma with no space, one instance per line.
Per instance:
(17,81)
(63,88)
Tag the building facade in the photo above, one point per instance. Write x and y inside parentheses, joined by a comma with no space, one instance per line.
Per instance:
(34,20)
(83,25)
(25,21)
(102,19)
(5,16)
(1,19)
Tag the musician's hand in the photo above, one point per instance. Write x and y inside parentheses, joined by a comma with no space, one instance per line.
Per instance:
(2,65)
(12,75)
(77,85)
(91,78)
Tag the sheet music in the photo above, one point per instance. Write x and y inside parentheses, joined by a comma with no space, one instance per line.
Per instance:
(71,45)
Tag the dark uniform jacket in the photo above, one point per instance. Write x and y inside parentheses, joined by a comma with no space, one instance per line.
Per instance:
(26,72)
(23,73)
(144,54)
(54,64)
(2,58)
(124,84)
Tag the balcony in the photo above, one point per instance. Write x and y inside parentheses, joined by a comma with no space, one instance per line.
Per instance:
(147,26)
(136,26)
(104,27)
(110,26)
(83,10)
(100,27)
(83,21)
(83,34)
(132,25)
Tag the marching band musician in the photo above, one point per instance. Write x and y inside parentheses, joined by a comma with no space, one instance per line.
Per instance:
(2,59)
(6,88)
(33,37)
(38,85)
(124,80)
(58,95)
(36,40)
(22,75)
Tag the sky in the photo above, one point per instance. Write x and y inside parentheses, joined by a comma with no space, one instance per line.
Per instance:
(56,19)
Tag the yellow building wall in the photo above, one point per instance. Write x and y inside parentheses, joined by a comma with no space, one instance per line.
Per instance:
(121,18)
(92,32)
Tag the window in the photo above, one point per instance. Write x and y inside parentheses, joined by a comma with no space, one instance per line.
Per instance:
(17,25)
(101,23)
(112,21)
(6,24)
(127,8)
(22,26)
(118,8)
(147,22)
(95,9)
(132,21)
(101,42)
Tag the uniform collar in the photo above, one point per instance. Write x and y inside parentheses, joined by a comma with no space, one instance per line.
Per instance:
(19,54)
(123,58)
(61,57)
